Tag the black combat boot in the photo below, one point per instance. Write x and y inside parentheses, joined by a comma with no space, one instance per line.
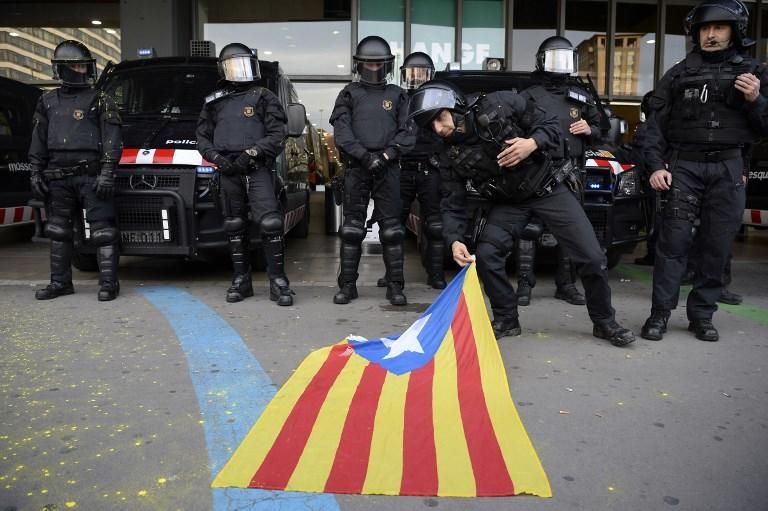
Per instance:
(506,326)
(395,293)
(524,292)
(241,287)
(347,293)
(655,326)
(108,258)
(704,330)
(570,294)
(382,282)
(613,332)
(436,281)
(61,272)
(730,297)
(280,292)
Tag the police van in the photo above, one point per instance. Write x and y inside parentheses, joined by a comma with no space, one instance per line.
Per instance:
(17,106)
(615,201)
(164,189)
(756,210)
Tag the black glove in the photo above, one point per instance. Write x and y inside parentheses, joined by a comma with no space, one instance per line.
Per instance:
(105,182)
(374,162)
(37,183)
(223,165)
(242,162)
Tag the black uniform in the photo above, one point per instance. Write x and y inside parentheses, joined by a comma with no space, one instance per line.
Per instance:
(76,144)
(569,103)
(514,203)
(237,118)
(420,179)
(704,125)
(369,122)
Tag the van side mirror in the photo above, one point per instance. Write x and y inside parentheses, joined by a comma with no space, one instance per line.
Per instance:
(297,119)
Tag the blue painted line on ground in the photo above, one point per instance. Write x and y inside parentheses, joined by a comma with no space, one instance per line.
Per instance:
(232,390)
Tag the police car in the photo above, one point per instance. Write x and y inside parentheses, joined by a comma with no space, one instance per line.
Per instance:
(17,106)
(756,212)
(614,199)
(164,188)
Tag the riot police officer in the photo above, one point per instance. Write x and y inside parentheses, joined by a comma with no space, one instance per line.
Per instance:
(420,178)
(499,142)
(76,145)
(242,129)
(705,112)
(369,121)
(580,122)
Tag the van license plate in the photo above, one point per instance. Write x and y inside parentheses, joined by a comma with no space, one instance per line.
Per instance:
(143,237)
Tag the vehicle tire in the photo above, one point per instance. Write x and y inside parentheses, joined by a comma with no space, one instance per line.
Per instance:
(301,230)
(84,262)
(614,257)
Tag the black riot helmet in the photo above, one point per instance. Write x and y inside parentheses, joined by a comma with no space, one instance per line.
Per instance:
(238,63)
(432,98)
(416,70)
(556,55)
(727,11)
(373,61)
(73,64)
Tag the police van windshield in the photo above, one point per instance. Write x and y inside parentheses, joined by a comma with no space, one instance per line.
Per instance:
(169,91)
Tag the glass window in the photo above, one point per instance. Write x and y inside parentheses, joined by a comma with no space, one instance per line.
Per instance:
(301,47)
(384,19)
(533,22)
(586,24)
(482,35)
(433,29)
(634,49)
(318,99)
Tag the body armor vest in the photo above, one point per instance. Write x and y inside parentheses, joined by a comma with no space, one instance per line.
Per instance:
(374,114)
(568,103)
(238,119)
(427,144)
(706,107)
(73,121)
(493,122)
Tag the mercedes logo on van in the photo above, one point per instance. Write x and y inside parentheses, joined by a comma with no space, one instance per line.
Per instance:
(142,182)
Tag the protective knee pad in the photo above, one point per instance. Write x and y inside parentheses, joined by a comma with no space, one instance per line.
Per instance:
(271,225)
(103,233)
(58,228)
(353,232)
(434,228)
(234,225)
(391,231)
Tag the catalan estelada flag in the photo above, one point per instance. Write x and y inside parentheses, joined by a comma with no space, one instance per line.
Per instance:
(427,412)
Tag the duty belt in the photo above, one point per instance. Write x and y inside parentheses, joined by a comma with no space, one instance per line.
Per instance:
(709,156)
(83,168)
(418,166)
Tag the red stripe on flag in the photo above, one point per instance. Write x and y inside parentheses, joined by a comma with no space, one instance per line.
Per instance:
(755,213)
(163,156)
(350,465)
(278,466)
(129,156)
(18,215)
(419,455)
(491,475)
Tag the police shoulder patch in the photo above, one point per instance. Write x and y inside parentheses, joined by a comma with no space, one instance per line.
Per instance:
(78,114)
(386,104)
(248,111)
(574,112)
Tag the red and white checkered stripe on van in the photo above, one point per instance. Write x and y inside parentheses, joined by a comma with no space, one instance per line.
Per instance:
(755,217)
(293,217)
(133,156)
(615,166)
(16,215)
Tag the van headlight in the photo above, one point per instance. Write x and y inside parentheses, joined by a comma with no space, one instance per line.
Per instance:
(629,184)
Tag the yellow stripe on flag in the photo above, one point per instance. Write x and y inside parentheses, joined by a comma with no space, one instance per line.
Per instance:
(241,467)
(311,472)
(522,462)
(454,468)
(385,464)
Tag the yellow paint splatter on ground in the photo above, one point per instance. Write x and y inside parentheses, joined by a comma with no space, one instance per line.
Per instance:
(142,493)
(162,480)
(71,504)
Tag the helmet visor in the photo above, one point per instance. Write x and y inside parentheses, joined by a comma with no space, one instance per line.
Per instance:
(426,104)
(75,73)
(240,68)
(374,72)
(413,77)
(561,60)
